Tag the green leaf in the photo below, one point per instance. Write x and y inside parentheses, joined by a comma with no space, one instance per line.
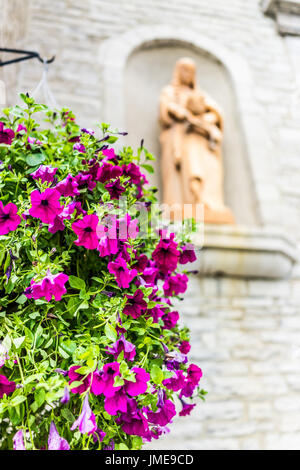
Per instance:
(35,159)
(17,400)
(40,396)
(149,168)
(76,282)
(67,414)
(110,332)
(19,341)
(156,374)
(7,342)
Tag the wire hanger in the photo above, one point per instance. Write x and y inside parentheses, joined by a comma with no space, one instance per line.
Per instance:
(26,55)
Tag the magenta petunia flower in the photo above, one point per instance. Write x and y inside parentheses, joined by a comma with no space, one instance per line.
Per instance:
(122,345)
(186,408)
(135,304)
(170,320)
(175,285)
(44,173)
(164,414)
(194,374)
(86,421)
(122,273)
(116,403)
(51,285)
(21,128)
(174,359)
(45,205)
(140,386)
(176,382)
(6,387)
(115,189)
(166,254)
(6,135)
(18,441)
(188,254)
(55,442)
(79,147)
(86,230)
(107,171)
(127,228)
(133,422)
(103,381)
(108,242)
(76,377)
(68,186)
(184,347)
(109,153)
(9,219)
(133,172)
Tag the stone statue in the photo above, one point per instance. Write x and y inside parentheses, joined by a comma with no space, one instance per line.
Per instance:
(191,141)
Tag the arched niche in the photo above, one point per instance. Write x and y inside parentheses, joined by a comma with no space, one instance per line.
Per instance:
(137,65)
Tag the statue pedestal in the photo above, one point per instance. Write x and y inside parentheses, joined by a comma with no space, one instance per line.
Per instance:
(243,252)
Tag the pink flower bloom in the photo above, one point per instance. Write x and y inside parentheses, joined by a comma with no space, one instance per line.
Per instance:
(44,173)
(140,386)
(109,153)
(9,219)
(55,442)
(115,189)
(140,263)
(75,377)
(116,403)
(107,171)
(86,421)
(128,228)
(58,222)
(122,345)
(6,387)
(45,205)
(135,304)
(33,141)
(103,381)
(133,422)
(170,320)
(166,254)
(188,254)
(150,274)
(79,147)
(185,347)
(85,229)
(133,172)
(6,135)
(164,415)
(68,186)
(175,285)
(156,313)
(108,243)
(194,374)
(122,273)
(21,127)
(176,382)
(51,285)
(18,441)
(186,408)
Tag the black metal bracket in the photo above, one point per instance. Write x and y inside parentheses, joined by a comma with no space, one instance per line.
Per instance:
(26,55)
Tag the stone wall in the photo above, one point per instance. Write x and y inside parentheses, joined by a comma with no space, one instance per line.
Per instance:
(246,337)
(245,333)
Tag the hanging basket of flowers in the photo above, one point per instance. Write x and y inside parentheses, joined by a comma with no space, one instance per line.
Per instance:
(91,353)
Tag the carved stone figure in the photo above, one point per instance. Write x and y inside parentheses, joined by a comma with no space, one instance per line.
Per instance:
(191,141)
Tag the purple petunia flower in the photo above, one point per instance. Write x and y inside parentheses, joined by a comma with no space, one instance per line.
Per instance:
(79,147)
(9,219)
(6,135)
(135,304)
(122,273)
(170,320)
(66,396)
(194,374)
(85,229)
(18,441)
(140,385)
(68,186)
(166,254)
(188,254)
(103,381)
(107,171)
(76,377)
(86,422)
(176,382)
(175,285)
(184,347)
(164,414)
(122,345)
(133,172)
(51,285)
(186,408)
(45,205)
(115,189)
(116,403)
(44,173)
(6,387)
(55,442)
